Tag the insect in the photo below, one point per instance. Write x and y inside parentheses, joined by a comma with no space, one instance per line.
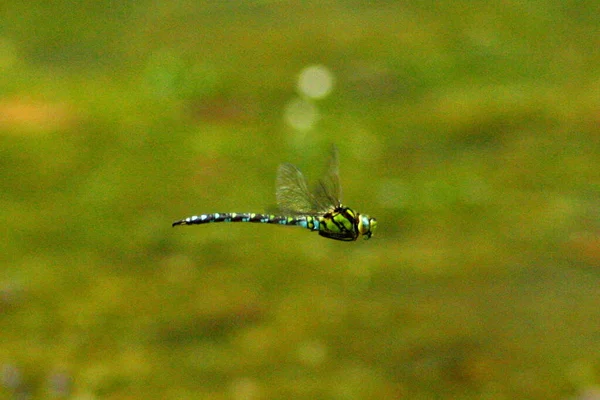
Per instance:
(319,210)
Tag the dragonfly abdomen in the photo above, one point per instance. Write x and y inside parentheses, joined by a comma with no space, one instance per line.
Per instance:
(305,221)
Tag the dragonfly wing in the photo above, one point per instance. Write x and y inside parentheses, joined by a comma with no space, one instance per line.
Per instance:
(292,192)
(328,193)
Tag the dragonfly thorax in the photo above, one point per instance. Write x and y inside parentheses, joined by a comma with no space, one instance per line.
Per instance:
(343,223)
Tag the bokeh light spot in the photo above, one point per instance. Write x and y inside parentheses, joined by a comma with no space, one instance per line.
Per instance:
(315,82)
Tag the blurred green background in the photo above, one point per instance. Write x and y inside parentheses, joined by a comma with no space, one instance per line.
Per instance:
(470,130)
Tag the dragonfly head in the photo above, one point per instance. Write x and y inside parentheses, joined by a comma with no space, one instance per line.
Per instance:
(366,225)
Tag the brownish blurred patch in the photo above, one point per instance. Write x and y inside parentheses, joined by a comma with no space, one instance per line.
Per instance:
(29,116)
(585,246)
(222,109)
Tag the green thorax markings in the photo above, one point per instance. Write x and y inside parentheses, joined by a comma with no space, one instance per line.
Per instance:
(340,224)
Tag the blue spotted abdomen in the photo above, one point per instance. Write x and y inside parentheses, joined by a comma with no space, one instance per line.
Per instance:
(305,221)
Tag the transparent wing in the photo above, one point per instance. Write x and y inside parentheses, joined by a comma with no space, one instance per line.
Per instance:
(292,193)
(328,193)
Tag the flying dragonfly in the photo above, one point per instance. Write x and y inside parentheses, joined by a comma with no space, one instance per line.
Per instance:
(320,210)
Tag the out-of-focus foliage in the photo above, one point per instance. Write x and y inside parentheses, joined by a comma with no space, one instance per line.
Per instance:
(470,130)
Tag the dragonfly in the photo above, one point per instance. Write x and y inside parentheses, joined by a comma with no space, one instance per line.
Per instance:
(319,210)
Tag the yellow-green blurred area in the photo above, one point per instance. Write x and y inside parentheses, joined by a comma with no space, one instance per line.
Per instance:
(470,130)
